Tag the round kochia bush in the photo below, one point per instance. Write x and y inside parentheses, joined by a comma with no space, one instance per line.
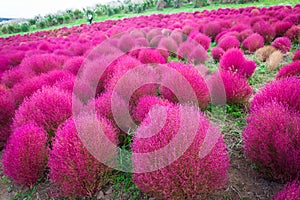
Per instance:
(285,91)
(73,169)
(189,176)
(233,60)
(253,42)
(272,142)
(292,69)
(25,156)
(48,108)
(283,44)
(291,191)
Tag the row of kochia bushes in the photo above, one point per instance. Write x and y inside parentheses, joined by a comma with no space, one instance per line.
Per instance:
(37,80)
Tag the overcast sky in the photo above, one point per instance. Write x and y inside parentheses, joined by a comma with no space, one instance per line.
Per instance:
(31,8)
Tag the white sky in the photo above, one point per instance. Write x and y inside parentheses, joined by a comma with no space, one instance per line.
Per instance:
(31,8)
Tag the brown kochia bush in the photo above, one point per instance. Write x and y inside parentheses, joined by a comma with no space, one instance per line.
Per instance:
(263,53)
(274,60)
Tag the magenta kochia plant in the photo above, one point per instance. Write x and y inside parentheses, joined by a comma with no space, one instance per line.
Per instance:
(296,55)
(285,91)
(292,69)
(25,155)
(145,104)
(174,86)
(151,56)
(48,108)
(266,30)
(291,191)
(237,89)
(212,29)
(233,60)
(283,44)
(229,42)
(73,170)
(217,53)
(253,42)
(272,142)
(190,176)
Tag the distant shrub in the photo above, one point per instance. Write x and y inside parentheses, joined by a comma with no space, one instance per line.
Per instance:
(217,53)
(291,191)
(190,176)
(293,34)
(253,42)
(283,44)
(296,55)
(25,27)
(281,27)
(4,30)
(179,89)
(212,29)
(271,140)
(229,42)
(266,30)
(73,170)
(47,114)
(292,69)
(285,91)
(25,155)
(233,60)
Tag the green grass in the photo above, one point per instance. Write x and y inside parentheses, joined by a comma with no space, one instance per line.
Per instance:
(185,8)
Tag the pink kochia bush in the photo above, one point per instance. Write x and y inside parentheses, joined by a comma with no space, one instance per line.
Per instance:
(25,155)
(6,114)
(174,84)
(272,142)
(229,42)
(145,104)
(217,53)
(191,175)
(292,69)
(285,91)
(291,191)
(296,55)
(151,56)
(266,30)
(253,42)
(233,60)
(237,89)
(73,169)
(283,44)
(48,108)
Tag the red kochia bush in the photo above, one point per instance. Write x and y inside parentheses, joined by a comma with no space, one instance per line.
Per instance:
(229,42)
(253,42)
(293,34)
(292,69)
(43,63)
(217,53)
(285,91)
(281,27)
(145,104)
(177,82)
(291,191)
(272,142)
(48,108)
(151,56)
(189,176)
(202,39)
(212,29)
(233,60)
(266,30)
(25,155)
(237,89)
(73,169)
(296,55)
(283,44)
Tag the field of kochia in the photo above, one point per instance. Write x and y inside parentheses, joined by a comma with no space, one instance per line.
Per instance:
(72,100)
